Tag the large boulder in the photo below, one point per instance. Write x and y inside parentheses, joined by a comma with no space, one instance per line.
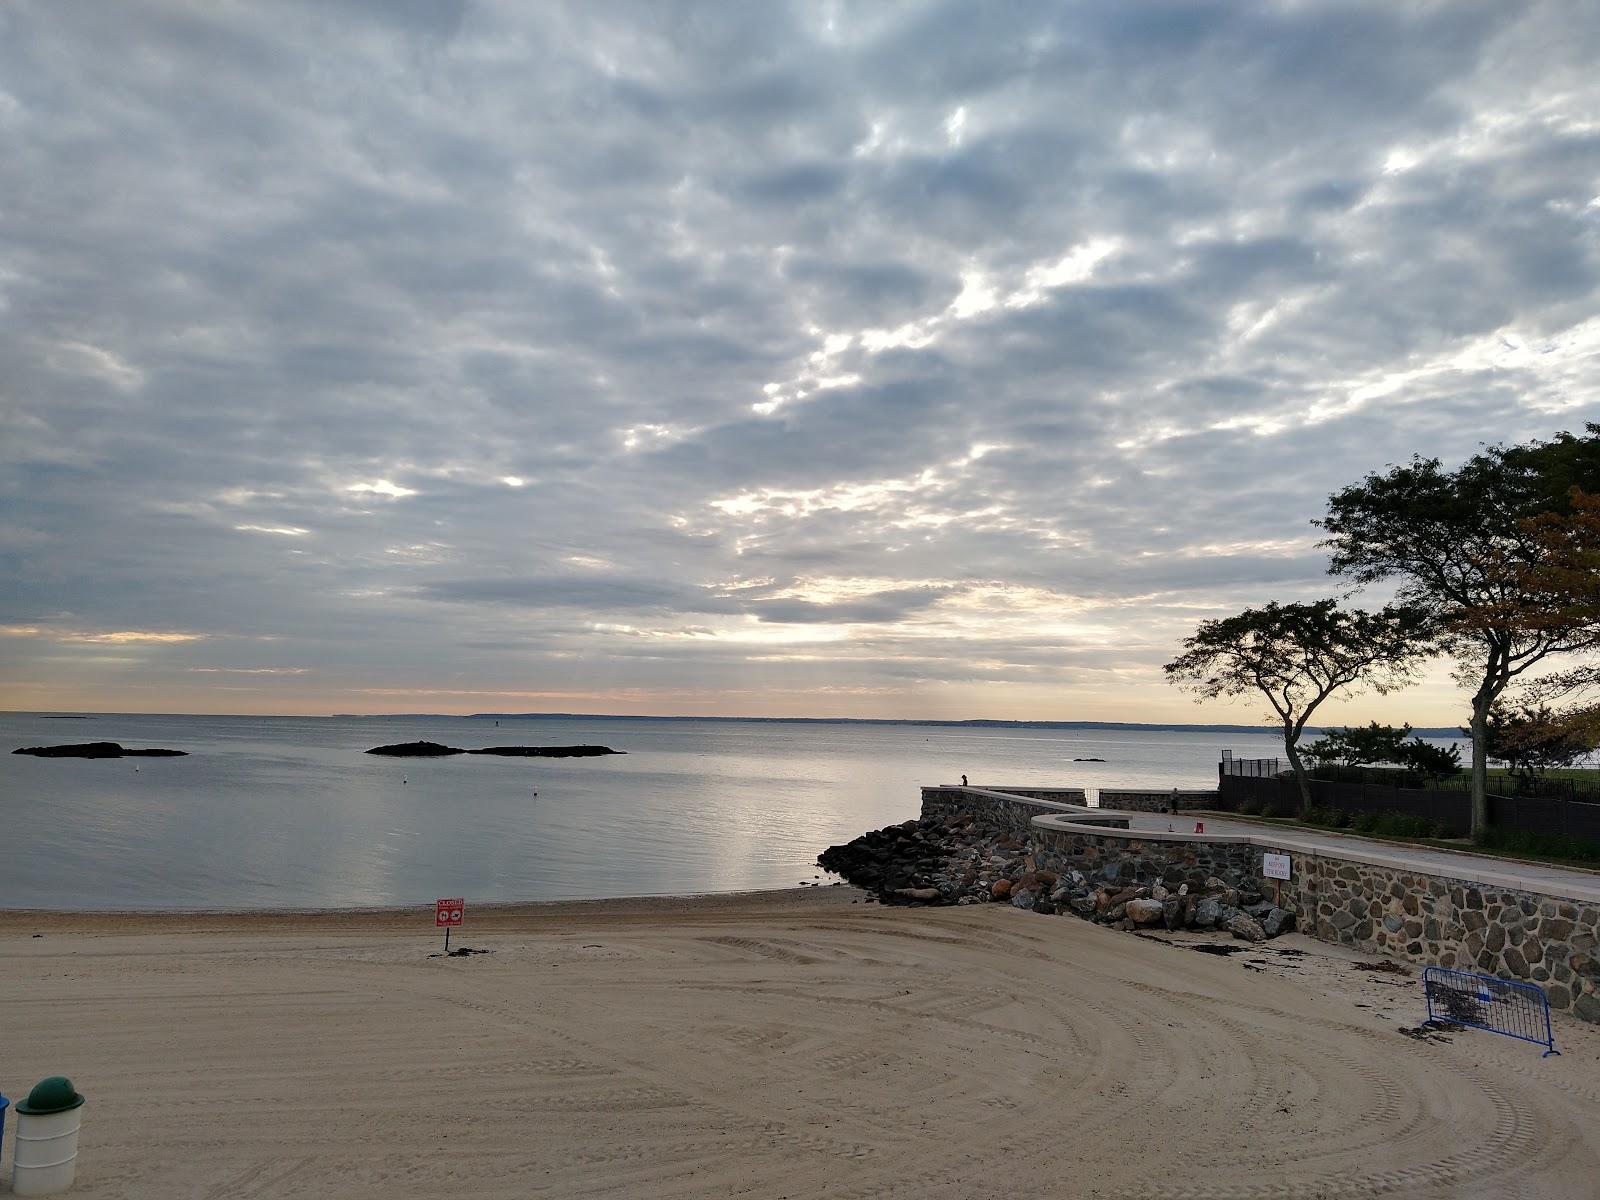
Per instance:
(1144,912)
(1246,928)
(1277,921)
(1172,913)
(1207,913)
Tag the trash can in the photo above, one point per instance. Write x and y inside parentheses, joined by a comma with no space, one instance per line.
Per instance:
(44,1158)
(3,1103)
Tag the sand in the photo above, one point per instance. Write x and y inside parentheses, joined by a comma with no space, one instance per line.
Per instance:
(788,1044)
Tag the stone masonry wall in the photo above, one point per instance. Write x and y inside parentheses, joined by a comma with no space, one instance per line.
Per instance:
(1007,812)
(1422,918)
(1156,801)
(1454,923)
(1074,796)
(1136,860)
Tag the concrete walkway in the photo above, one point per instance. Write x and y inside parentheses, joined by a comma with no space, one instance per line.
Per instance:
(1567,882)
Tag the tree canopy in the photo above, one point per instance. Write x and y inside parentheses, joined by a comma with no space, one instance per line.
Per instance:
(1364,745)
(1360,745)
(1532,738)
(1297,655)
(1500,553)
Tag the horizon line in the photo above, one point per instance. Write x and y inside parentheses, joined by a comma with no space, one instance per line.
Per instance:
(966,722)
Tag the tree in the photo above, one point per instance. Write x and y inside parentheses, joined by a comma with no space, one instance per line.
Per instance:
(1475,548)
(1364,745)
(1436,762)
(1297,655)
(1533,738)
(1360,745)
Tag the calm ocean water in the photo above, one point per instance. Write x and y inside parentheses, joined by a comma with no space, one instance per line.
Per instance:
(289,811)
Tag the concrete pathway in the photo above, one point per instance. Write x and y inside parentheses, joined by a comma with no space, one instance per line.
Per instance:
(1569,882)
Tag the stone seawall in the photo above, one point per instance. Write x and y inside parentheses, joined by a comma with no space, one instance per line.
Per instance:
(1070,796)
(1125,857)
(1420,917)
(1446,922)
(1172,800)
(1012,811)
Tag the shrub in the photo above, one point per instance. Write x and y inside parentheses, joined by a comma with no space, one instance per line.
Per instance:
(1250,808)
(1406,825)
(1366,822)
(1328,818)
(1548,845)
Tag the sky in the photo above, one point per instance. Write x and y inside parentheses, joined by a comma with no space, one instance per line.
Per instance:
(876,359)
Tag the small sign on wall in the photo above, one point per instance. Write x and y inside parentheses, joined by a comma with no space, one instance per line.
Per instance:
(1275,866)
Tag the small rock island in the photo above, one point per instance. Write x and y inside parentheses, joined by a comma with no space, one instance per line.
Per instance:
(435,750)
(98,750)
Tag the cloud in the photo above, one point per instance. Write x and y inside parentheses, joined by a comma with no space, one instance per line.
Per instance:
(894,356)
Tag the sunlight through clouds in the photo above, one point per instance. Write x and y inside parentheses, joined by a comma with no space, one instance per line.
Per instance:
(894,356)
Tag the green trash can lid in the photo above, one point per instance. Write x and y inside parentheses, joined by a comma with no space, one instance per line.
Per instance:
(52,1095)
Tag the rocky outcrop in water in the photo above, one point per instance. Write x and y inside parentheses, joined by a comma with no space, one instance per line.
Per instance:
(97,750)
(435,750)
(956,860)
(548,751)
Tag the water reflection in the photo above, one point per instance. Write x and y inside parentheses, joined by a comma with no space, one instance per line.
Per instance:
(291,812)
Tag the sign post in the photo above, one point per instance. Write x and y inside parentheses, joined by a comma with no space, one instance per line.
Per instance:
(1276,868)
(447,915)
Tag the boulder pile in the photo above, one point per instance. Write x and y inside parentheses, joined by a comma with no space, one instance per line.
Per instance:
(957,860)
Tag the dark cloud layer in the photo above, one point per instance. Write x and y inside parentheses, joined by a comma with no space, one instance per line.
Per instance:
(886,359)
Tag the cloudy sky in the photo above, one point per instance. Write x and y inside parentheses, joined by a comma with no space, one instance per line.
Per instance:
(873,359)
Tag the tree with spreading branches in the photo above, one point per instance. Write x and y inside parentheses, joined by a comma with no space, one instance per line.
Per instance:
(1297,655)
(1498,553)
(1533,738)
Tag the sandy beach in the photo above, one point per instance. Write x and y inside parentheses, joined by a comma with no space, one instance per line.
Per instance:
(789,1044)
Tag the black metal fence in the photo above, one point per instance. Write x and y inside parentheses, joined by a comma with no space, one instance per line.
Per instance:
(1251,768)
(1279,796)
(1268,785)
(1583,789)
(1542,814)
(1552,787)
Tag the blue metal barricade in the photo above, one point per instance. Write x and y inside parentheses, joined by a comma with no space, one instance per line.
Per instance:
(1508,1006)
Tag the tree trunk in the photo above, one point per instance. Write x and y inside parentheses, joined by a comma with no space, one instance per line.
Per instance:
(1290,737)
(1480,762)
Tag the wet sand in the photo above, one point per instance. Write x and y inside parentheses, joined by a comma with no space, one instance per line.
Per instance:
(785,1044)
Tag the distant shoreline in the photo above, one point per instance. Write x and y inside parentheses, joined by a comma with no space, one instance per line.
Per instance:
(1438,731)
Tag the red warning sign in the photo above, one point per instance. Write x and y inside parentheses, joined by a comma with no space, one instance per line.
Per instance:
(448,912)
